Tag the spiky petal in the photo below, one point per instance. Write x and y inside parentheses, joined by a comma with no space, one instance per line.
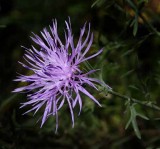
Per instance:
(56,77)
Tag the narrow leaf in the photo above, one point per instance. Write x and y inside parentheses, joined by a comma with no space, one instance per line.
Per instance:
(127,73)
(143,116)
(136,129)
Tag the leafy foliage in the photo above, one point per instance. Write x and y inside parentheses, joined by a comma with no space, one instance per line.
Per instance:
(132,119)
(128,31)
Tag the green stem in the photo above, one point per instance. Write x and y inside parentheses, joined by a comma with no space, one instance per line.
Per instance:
(144,103)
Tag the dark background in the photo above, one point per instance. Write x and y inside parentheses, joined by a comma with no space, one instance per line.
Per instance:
(129,63)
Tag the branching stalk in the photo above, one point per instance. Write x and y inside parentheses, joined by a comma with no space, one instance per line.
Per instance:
(144,103)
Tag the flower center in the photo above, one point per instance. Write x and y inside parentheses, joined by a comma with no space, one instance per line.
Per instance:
(68,71)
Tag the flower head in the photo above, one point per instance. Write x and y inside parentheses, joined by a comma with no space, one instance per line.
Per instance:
(56,77)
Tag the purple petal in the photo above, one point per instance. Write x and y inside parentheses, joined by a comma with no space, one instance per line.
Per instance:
(88,94)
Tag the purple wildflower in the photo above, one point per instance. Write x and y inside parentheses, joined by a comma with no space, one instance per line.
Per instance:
(56,76)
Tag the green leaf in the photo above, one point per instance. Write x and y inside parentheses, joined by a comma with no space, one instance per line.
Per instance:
(143,116)
(132,119)
(128,123)
(134,87)
(134,122)
(95,3)
(127,73)
(127,52)
(100,3)
(134,23)
(135,27)
(136,129)
(132,4)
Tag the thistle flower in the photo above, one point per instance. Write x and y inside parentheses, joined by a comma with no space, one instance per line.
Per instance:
(57,77)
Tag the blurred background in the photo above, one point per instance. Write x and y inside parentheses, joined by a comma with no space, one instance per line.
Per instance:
(130,63)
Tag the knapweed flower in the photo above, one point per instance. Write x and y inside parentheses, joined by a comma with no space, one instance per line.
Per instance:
(57,77)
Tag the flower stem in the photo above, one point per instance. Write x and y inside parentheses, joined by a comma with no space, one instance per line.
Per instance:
(144,103)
